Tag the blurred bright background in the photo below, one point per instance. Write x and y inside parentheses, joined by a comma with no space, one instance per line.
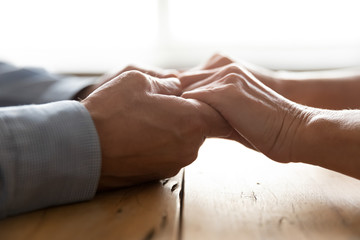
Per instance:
(96,36)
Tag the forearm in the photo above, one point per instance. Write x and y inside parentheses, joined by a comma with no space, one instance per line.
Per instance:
(335,89)
(330,139)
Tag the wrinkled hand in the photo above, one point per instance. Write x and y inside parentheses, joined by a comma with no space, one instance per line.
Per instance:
(146,131)
(205,73)
(265,119)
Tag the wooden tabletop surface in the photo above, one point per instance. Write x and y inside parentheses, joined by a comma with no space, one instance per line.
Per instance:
(230,192)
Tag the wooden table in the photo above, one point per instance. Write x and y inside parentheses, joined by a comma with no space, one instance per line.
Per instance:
(230,192)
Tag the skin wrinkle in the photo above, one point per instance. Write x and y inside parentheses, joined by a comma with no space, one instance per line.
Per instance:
(291,125)
(304,119)
(276,139)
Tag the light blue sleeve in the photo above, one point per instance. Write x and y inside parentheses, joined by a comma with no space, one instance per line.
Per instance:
(21,86)
(49,155)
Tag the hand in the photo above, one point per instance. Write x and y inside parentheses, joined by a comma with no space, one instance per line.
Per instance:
(282,129)
(146,132)
(268,121)
(203,74)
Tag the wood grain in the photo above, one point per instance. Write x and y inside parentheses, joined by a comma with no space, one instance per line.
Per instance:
(232,192)
(148,211)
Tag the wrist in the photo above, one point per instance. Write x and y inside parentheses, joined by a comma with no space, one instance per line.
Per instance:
(332,141)
(296,130)
(306,138)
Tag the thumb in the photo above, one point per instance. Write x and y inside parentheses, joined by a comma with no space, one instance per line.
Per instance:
(214,125)
(208,103)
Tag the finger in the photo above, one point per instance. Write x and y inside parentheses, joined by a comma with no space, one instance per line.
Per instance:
(214,125)
(152,71)
(165,86)
(192,81)
(210,99)
(217,74)
(205,70)
(212,65)
(206,99)
(190,77)
(168,73)
(223,74)
(206,121)
(216,61)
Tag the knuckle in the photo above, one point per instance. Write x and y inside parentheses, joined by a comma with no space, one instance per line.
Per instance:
(233,68)
(234,81)
(216,55)
(134,73)
(135,77)
(212,93)
(227,59)
(173,74)
(231,89)
(221,58)
(130,67)
(232,78)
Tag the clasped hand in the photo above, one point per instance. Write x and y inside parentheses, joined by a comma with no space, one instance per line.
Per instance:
(151,123)
(146,130)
